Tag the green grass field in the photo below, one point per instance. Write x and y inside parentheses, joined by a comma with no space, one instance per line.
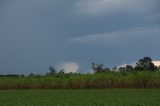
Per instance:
(108,80)
(80,98)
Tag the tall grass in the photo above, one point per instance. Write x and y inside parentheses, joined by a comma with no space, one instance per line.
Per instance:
(108,80)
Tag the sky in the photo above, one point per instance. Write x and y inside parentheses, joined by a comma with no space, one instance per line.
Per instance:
(71,34)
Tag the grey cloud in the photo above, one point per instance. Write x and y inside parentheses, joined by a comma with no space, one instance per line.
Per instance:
(120,38)
(107,7)
(120,47)
(34,34)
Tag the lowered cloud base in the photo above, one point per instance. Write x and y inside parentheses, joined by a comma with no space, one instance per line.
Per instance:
(123,37)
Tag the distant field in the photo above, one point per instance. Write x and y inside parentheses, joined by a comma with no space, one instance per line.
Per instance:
(80,98)
(108,80)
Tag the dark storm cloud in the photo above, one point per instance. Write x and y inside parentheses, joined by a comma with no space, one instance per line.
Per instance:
(37,33)
(3,2)
(156,4)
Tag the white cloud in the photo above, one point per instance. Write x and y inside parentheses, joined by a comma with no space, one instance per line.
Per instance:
(69,67)
(125,64)
(156,63)
(102,7)
(122,38)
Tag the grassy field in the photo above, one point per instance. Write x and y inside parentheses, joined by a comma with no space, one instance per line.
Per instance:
(115,97)
(108,80)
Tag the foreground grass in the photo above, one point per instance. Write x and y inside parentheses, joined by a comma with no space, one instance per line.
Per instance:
(80,98)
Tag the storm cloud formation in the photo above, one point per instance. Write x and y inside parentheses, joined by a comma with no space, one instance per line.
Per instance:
(35,34)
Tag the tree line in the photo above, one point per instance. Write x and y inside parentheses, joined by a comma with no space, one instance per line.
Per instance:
(144,64)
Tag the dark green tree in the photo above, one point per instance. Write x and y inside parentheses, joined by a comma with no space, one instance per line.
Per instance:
(114,68)
(107,69)
(121,69)
(61,71)
(98,68)
(52,70)
(31,75)
(145,64)
(129,68)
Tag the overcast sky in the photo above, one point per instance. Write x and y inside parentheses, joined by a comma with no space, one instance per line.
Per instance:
(71,34)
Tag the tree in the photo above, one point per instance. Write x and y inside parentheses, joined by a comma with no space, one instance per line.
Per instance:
(121,69)
(107,69)
(61,71)
(114,68)
(52,70)
(129,68)
(94,67)
(138,68)
(31,75)
(145,64)
(140,64)
(98,68)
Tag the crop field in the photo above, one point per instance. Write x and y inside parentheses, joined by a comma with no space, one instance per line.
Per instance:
(123,97)
(109,80)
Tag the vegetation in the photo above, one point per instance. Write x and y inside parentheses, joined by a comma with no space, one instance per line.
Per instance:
(135,79)
(143,64)
(143,75)
(80,98)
